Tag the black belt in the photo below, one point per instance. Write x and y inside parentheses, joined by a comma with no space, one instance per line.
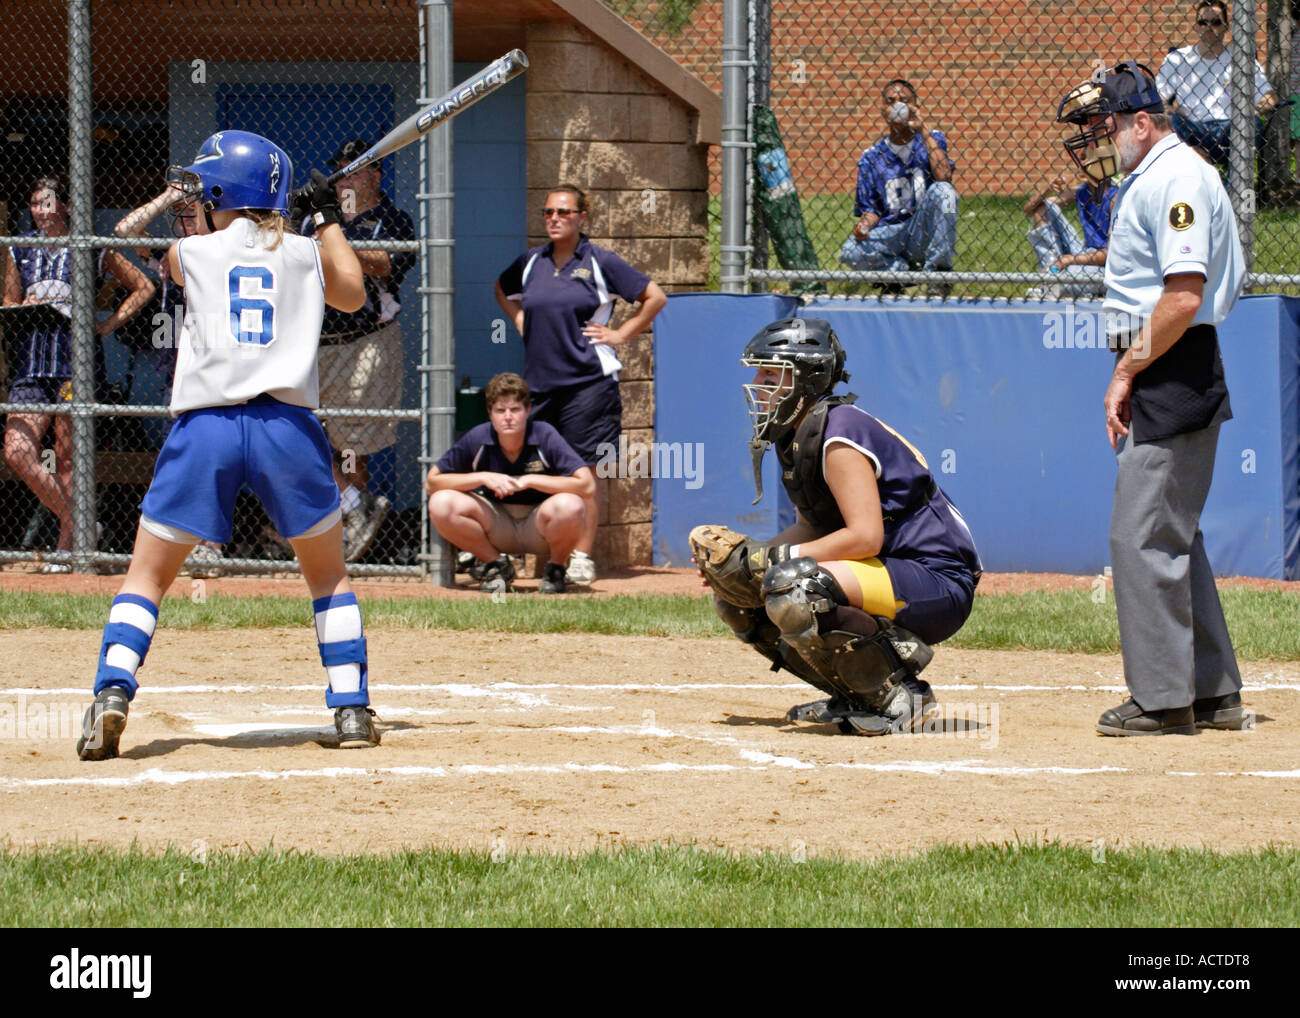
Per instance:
(337,338)
(1121,341)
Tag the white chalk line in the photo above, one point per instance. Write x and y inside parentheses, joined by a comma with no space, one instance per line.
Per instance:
(162,776)
(523,692)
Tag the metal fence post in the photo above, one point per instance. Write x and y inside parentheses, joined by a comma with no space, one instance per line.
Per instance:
(1241,159)
(437,341)
(735,147)
(82,281)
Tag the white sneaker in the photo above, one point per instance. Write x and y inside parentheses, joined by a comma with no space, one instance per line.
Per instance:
(581,569)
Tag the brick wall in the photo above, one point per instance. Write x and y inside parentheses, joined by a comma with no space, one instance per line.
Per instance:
(989,75)
(595,120)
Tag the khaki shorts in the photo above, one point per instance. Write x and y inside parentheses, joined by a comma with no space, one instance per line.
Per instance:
(514,528)
(366,373)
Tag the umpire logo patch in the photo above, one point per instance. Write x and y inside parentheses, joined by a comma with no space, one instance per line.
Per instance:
(1180,216)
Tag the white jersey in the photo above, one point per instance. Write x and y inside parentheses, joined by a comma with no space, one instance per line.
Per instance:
(252,319)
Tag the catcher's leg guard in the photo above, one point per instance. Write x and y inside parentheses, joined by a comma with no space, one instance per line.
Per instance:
(752,626)
(850,650)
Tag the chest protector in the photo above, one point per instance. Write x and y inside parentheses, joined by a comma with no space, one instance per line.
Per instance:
(801,467)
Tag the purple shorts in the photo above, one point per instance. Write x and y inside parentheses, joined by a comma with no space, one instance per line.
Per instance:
(586,415)
(39,390)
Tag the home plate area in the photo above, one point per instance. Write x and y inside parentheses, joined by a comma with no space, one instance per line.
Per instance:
(564,742)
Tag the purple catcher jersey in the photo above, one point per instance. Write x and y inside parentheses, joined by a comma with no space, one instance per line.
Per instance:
(933,533)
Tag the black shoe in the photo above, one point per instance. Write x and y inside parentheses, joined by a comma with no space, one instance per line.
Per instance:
(356,727)
(102,726)
(498,575)
(822,712)
(1223,712)
(1130,719)
(552,579)
(904,709)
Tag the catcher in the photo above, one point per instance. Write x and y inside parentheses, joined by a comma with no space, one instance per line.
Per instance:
(879,564)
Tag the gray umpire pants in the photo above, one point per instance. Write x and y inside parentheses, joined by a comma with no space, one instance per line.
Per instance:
(1174,639)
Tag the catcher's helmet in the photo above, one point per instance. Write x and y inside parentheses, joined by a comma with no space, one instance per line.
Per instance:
(1127,88)
(237,170)
(809,349)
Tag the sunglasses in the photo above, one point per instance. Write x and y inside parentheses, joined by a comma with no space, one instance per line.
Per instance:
(559,212)
(1215,23)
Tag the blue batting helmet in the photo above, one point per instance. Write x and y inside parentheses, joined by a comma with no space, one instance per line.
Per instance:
(238,170)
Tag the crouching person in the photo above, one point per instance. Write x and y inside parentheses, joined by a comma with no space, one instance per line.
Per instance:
(511,486)
(879,563)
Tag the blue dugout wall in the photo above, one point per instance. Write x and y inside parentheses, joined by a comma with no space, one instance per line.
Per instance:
(1004,401)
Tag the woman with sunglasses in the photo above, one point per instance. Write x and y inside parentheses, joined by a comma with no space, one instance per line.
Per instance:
(560,296)
(42,355)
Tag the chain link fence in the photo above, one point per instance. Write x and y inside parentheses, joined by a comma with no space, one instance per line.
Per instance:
(98,99)
(987,78)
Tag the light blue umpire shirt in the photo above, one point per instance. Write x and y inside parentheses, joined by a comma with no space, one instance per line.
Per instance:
(1172,215)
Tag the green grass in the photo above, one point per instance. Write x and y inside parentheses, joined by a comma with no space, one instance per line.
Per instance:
(628,615)
(1007,885)
(1262,622)
(991,238)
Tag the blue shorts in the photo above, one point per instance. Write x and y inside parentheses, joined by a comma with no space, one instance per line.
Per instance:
(938,600)
(39,390)
(586,415)
(278,451)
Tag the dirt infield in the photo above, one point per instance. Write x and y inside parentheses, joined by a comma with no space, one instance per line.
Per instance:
(567,742)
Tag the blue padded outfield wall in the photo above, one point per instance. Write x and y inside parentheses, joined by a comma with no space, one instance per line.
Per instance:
(1004,400)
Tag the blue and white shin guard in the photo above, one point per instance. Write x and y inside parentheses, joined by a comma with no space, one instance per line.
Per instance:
(342,649)
(131,623)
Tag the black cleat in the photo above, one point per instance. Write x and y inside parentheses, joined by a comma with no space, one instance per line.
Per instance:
(904,710)
(553,579)
(356,727)
(102,726)
(498,576)
(822,712)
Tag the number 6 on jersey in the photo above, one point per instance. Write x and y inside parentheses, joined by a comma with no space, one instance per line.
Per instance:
(252,318)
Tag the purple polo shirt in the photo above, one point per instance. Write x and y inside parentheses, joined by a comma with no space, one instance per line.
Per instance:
(558,301)
(544,452)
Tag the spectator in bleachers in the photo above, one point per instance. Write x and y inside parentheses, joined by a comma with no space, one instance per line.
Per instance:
(42,356)
(1195,83)
(1056,242)
(905,203)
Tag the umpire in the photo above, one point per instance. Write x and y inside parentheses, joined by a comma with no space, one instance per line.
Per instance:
(1173,272)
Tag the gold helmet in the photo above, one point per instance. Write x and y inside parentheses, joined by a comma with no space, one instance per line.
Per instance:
(1092,148)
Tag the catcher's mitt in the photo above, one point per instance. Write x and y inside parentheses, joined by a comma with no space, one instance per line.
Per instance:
(732,563)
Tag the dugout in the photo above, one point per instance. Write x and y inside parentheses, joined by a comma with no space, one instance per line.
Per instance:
(1004,401)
